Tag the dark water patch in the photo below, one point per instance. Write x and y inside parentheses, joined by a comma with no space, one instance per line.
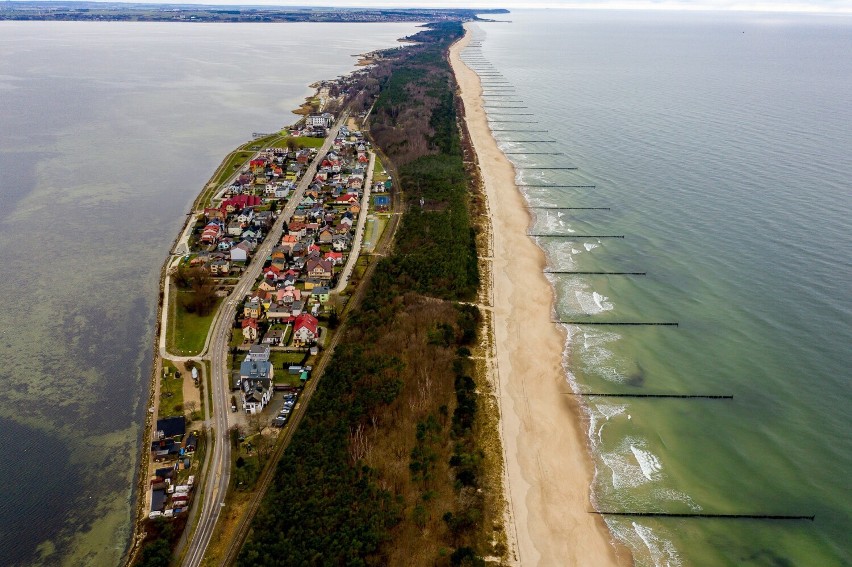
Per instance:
(39,483)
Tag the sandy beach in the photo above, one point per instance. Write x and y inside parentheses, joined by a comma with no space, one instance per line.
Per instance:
(548,468)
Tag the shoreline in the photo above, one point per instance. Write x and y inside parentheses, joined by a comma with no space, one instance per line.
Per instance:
(541,428)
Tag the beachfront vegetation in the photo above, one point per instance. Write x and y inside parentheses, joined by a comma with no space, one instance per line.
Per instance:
(192,306)
(297,142)
(385,468)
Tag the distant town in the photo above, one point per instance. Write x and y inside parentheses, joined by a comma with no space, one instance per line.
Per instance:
(103,11)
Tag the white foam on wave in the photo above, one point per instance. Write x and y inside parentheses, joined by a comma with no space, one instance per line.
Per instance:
(648,462)
(624,473)
(592,303)
(575,251)
(601,301)
(676,496)
(560,255)
(662,552)
(590,246)
(607,412)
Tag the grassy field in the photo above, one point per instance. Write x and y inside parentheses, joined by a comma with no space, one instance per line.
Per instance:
(373,231)
(237,338)
(379,173)
(261,142)
(186,332)
(171,390)
(304,141)
(236,161)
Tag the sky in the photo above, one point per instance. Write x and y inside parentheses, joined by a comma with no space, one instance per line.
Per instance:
(737,5)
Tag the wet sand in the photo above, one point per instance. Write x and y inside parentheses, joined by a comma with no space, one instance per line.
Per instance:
(548,467)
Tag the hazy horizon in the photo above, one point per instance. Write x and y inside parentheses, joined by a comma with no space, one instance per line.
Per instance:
(821,6)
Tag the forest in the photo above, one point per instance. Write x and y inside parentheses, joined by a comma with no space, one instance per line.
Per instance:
(388,467)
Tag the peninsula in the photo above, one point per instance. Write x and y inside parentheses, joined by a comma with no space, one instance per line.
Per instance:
(321,318)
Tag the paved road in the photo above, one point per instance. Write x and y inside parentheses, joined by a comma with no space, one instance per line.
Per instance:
(359,229)
(219,473)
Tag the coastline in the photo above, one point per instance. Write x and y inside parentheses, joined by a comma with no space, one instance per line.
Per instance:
(548,467)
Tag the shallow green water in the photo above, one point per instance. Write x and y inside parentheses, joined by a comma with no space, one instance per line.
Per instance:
(721,144)
(107,133)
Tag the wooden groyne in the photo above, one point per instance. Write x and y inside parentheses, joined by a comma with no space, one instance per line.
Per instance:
(526,131)
(596,273)
(570,208)
(577,235)
(666,396)
(531,153)
(561,186)
(703,515)
(620,323)
(547,168)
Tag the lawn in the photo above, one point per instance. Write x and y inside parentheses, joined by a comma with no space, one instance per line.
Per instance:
(186,332)
(282,360)
(379,173)
(263,143)
(237,338)
(171,390)
(237,160)
(304,141)
(373,232)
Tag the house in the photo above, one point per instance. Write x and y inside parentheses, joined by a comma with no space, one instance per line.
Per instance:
(249,326)
(256,393)
(235,228)
(252,309)
(214,214)
(288,241)
(258,353)
(173,426)
(211,233)
(252,233)
(282,191)
(245,216)
(274,337)
(324,120)
(347,199)
(220,267)
(297,307)
(191,442)
(320,293)
(271,272)
(305,330)
(319,269)
(336,258)
(256,368)
(279,311)
(241,251)
(325,235)
(340,242)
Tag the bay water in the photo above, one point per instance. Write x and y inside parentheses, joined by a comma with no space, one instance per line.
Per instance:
(108,131)
(720,144)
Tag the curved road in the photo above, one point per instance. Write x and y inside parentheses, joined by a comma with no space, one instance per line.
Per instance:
(218,475)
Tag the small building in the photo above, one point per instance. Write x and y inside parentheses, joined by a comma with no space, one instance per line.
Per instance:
(259,353)
(274,337)
(249,326)
(305,330)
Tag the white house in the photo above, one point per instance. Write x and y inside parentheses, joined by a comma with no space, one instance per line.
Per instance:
(256,393)
(325,120)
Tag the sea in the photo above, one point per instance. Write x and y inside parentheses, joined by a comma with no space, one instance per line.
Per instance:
(713,189)
(108,131)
